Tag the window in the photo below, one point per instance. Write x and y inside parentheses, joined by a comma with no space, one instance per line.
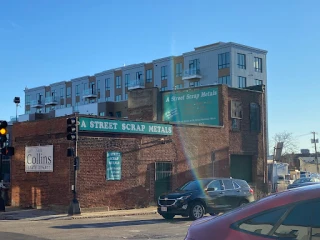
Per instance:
(101,114)
(39,98)
(98,85)
(118,98)
(194,84)
(297,222)
(107,99)
(111,114)
(85,86)
(27,99)
(215,185)
(178,86)
(47,94)
(258,64)
(241,61)
(164,89)
(39,110)
(118,81)
(53,93)
(118,114)
(68,92)
(47,109)
(224,60)
(227,184)
(107,81)
(263,223)
(27,111)
(224,80)
(178,69)
(138,75)
(126,80)
(194,65)
(77,90)
(242,82)
(149,75)
(61,93)
(68,104)
(236,109)
(257,82)
(126,96)
(163,72)
(254,117)
(92,87)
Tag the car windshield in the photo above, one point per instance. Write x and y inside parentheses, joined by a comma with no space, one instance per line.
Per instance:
(302,180)
(194,185)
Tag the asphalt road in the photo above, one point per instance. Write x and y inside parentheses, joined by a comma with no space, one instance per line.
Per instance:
(130,227)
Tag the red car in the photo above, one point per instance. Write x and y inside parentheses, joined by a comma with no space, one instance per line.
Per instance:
(292,214)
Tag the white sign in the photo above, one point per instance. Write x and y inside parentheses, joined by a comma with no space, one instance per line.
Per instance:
(39,159)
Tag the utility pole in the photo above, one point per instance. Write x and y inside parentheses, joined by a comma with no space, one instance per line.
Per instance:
(315,141)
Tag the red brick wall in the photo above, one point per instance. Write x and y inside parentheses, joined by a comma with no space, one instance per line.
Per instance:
(190,150)
(247,141)
(40,189)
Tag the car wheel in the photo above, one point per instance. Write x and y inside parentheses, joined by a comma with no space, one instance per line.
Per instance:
(196,211)
(243,202)
(167,215)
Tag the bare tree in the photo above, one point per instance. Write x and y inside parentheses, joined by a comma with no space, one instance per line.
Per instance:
(289,142)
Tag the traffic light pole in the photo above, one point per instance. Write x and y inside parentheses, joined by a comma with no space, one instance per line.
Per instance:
(74,207)
(2,203)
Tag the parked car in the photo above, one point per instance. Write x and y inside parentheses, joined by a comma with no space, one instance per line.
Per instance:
(303,182)
(211,195)
(292,214)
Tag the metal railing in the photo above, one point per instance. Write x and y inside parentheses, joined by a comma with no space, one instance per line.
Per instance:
(191,72)
(138,83)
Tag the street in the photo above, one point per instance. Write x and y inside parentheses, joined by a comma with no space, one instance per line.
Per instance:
(125,227)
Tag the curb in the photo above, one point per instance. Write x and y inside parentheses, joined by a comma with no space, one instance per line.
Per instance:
(113,215)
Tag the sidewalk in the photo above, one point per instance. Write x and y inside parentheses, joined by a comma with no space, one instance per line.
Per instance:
(117,213)
(13,213)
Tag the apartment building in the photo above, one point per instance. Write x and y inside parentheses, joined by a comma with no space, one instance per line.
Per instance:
(106,93)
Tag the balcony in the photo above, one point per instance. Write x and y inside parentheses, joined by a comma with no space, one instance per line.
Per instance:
(136,84)
(51,101)
(37,103)
(90,93)
(191,74)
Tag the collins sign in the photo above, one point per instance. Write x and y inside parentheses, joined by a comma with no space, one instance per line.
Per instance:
(39,159)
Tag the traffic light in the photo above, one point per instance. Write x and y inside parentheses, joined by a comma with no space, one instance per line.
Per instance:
(3,132)
(7,151)
(72,128)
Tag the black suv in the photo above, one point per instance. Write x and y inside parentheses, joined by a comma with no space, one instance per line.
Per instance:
(210,195)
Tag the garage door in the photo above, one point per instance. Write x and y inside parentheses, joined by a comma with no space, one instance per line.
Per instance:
(241,167)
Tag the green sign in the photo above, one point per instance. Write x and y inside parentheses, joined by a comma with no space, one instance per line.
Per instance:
(114,160)
(194,106)
(105,125)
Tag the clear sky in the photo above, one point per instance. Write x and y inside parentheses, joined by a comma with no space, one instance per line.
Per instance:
(42,42)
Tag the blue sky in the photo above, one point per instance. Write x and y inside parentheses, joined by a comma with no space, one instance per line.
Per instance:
(42,42)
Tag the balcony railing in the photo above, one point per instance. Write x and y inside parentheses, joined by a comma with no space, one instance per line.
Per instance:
(37,103)
(51,101)
(135,84)
(191,74)
(90,93)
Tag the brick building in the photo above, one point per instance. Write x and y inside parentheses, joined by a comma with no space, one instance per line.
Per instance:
(231,143)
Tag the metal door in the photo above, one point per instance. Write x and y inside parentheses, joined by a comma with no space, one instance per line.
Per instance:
(163,173)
